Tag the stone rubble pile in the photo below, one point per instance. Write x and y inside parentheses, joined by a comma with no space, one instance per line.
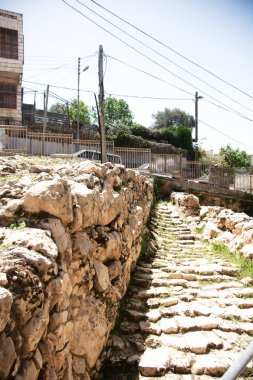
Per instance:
(187,314)
(222,225)
(70,234)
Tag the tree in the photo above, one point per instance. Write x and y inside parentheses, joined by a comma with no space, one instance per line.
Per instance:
(59,108)
(84,111)
(173,118)
(118,111)
(235,158)
(184,137)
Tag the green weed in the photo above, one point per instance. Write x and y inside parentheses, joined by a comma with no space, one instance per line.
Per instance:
(245,265)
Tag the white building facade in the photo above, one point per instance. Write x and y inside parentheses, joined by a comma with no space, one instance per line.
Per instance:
(11,67)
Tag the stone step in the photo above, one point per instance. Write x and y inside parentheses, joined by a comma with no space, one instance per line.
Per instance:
(187,316)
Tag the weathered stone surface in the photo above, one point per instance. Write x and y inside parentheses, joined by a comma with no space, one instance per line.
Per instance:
(7,355)
(114,269)
(90,329)
(34,329)
(36,260)
(247,250)
(53,197)
(6,300)
(111,247)
(154,362)
(213,365)
(60,236)
(28,371)
(168,325)
(102,280)
(33,239)
(110,203)
(88,202)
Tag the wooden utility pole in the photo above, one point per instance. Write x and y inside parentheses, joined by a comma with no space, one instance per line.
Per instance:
(101,99)
(196,126)
(197,98)
(78,104)
(45,110)
(45,119)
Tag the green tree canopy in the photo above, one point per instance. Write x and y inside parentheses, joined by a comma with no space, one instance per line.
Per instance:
(173,118)
(118,111)
(84,111)
(235,158)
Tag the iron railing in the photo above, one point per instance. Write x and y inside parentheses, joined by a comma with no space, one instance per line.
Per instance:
(17,139)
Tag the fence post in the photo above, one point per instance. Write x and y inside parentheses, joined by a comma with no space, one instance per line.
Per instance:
(180,167)
(209,174)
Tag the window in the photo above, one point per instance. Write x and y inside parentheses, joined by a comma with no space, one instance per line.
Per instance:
(8,95)
(8,43)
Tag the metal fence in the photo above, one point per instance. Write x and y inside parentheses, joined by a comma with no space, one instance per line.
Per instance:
(170,164)
(133,157)
(14,139)
(45,144)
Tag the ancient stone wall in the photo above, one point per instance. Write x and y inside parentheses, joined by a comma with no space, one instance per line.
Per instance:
(222,225)
(70,234)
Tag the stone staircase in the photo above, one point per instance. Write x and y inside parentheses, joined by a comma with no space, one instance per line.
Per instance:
(185,315)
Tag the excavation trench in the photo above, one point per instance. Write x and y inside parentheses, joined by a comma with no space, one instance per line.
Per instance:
(186,311)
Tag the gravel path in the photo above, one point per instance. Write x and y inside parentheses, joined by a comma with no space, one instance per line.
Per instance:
(185,316)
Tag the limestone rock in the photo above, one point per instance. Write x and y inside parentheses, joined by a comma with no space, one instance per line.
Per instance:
(88,202)
(109,248)
(247,250)
(6,300)
(7,355)
(102,280)
(90,330)
(154,362)
(110,205)
(211,230)
(114,269)
(36,260)
(34,329)
(33,239)
(53,197)
(60,236)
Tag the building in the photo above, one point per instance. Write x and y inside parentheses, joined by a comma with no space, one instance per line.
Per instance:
(11,67)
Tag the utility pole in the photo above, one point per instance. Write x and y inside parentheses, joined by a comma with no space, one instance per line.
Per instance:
(101,98)
(197,98)
(78,103)
(196,126)
(45,119)
(45,110)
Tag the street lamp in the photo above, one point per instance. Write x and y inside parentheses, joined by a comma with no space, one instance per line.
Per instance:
(197,98)
(78,101)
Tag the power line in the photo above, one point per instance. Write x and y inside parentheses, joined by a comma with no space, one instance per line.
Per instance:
(224,134)
(151,75)
(123,95)
(146,97)
(51,69)
(166,58)
(173,50)
(152,60)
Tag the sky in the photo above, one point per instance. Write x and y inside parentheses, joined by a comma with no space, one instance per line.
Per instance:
(203,46)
